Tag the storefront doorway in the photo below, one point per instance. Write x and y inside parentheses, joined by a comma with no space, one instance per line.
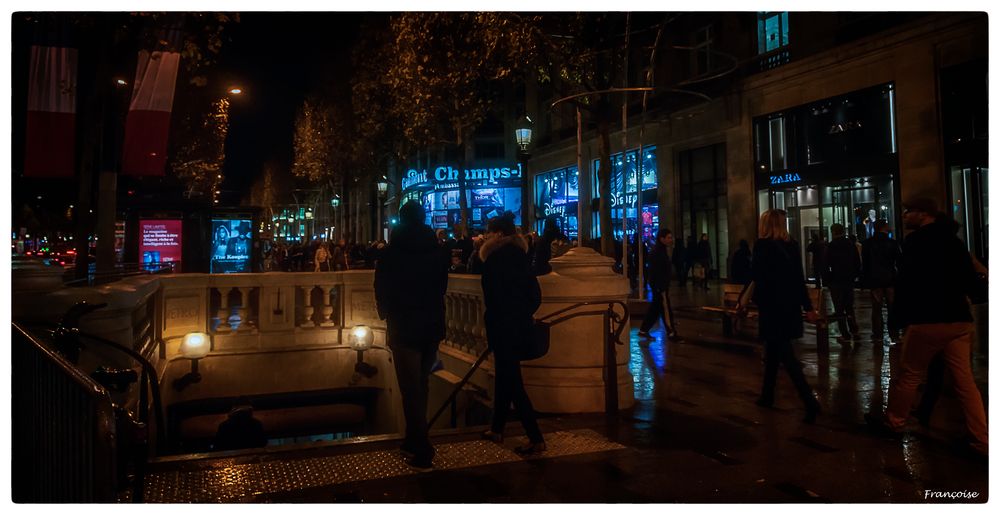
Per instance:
(854,203)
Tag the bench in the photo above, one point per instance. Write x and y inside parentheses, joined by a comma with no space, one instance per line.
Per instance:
(733,317)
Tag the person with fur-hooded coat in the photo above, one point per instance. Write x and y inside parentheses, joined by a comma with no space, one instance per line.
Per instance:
(511,294)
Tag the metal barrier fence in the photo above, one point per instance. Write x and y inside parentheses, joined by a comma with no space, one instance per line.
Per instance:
(62,429)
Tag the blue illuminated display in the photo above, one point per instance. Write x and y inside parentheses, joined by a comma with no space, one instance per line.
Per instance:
(490,192)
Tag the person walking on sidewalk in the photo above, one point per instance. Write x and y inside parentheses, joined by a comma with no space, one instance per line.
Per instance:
(511,295)
(844,267)
(880,257)
(658,275)
(704,259)
(411,279)
(936,275)
(781,298)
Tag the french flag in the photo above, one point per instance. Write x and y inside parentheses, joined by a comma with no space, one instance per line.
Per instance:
(148,123)
(50,132)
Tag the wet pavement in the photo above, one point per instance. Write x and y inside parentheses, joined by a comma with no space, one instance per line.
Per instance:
(694,435)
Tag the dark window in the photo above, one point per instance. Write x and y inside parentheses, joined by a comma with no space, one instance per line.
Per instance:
(490,150)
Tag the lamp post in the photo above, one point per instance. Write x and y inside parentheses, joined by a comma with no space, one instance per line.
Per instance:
(195,346)
(334,203)
(383,188)
(522,135)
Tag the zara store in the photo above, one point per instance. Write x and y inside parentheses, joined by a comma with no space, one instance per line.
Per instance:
(831,161)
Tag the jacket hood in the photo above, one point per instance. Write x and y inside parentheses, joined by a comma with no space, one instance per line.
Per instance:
(493,244)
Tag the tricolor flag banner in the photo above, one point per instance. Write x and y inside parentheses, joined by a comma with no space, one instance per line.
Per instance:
(148,123)
(50,132)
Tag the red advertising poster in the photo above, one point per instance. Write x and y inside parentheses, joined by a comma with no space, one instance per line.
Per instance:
(160,242)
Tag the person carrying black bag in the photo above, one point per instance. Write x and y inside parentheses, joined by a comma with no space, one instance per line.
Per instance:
(511,295)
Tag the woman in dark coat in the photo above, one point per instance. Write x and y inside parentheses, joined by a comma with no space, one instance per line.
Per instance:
(511,295)
(780,295)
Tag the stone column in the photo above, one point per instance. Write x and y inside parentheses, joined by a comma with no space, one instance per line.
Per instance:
(327,306)
(244,310)
(570,378)
(223,313)
(307,310)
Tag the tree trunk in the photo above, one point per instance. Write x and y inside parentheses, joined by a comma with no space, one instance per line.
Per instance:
(604,185)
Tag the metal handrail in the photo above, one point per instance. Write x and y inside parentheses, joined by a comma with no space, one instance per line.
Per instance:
(610,365)
(51,460)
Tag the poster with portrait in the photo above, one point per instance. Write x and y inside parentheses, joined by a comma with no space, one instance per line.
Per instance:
(232,242)
(160,242)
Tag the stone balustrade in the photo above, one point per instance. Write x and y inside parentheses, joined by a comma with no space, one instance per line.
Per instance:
(258,321)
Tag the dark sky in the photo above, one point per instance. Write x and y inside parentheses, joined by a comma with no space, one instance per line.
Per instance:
(277,58)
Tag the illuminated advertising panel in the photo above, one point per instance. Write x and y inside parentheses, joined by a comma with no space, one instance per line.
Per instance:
(232,241)
(160,242)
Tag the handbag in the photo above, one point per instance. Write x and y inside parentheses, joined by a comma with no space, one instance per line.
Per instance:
(537,343)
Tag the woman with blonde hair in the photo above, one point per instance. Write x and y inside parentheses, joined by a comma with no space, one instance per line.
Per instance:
(780,295)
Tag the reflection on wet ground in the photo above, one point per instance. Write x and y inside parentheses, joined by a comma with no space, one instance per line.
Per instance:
(695,435)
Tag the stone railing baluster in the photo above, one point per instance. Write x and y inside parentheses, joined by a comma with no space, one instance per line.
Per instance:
(223,313)
(307,309)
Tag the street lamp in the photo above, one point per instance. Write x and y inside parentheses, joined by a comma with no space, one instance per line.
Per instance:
(522,135)
(383,188)
(361,339)
(195,346)
(236,90)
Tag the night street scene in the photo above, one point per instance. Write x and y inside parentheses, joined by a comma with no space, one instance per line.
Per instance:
(499,257)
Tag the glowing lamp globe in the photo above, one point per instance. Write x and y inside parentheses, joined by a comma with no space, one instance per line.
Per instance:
(361,337)
(195,345)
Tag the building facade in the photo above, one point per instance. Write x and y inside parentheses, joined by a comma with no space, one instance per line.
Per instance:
(833,117)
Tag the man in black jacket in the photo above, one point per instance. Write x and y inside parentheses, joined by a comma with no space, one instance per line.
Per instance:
(880,257)
(658,275)
(844,268)
(411,279)
(935,277)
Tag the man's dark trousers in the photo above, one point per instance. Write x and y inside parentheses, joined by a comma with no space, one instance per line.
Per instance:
(659,308)
(413,367)
(843,306)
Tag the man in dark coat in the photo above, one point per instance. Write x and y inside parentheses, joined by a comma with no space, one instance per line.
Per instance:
(411,279)
(658,275)
(935,277)
(844,267)
(817,249)
(880,257)
(511,295)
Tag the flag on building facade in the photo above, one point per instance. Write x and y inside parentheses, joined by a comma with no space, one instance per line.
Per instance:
(50,132)
(147,125)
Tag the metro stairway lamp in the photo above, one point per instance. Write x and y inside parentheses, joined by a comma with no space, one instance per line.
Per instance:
(195,346)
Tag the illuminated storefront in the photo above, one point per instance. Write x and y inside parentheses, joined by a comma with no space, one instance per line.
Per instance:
(556,195)
(831,161)
(489,192)
(624,185)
